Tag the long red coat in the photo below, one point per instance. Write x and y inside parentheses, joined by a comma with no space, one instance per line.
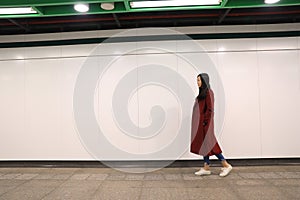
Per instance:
(203,140)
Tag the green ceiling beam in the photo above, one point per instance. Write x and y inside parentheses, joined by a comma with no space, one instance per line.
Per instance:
(224,3)
(14,3)
(69,10)
(259,3)
(53,8)
(39,10)
(127,6)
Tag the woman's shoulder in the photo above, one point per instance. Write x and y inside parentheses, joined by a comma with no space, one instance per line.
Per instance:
(210,92)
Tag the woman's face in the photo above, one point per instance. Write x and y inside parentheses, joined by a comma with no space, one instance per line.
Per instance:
(199,82)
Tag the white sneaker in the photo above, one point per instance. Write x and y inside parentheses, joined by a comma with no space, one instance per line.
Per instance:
(225,171)
(202,172)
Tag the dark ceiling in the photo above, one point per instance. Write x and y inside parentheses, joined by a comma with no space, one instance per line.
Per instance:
(233,16)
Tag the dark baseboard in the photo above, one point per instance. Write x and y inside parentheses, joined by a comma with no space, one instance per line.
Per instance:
(149,164)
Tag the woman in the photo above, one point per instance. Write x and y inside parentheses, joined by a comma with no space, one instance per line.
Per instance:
(203,138)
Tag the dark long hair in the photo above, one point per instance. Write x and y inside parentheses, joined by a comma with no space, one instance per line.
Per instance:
(204,87)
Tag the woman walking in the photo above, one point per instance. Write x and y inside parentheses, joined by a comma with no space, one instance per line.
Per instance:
(203,138)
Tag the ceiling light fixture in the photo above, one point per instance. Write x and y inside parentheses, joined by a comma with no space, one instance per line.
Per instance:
(108,6)
(271,1)
(80,7)
(170,3)
(20,10)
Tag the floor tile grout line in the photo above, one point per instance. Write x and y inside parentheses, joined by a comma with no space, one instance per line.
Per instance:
(98,189)
(15,187)
(278,188)
(142,187)
(57,186)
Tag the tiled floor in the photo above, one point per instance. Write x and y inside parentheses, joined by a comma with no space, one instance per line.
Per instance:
(263,182)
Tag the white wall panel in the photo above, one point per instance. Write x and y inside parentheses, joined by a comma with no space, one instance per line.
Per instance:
(236,45)
(42,109)
(12,109)
(158,93)
(42,52)
(112,128)
(208,45)
(79,51)
(277,43)
(12,54)
(69,138)
(241,133)
(280,97)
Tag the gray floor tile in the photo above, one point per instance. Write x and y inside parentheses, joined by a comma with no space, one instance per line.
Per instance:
(250,182)
(292,192)
(118,193)
(269,175)
(61,176)
(213,176)
(173,177)
(152,177)
(162,184)
(135,177)
(97,177)
(191,176)
(164,193)
(26,176)
(234,176)
(79,191)
(263,182)
(7,185)
(260,193)
(286,182)
(10,176)
(84,183)
(250,175)
(210,183)
(33,189)
(211,193)
(289,174)
(116,177)
(43,176)
(79,176)
(121,184)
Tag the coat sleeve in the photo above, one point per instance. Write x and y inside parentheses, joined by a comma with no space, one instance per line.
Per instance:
(209,100)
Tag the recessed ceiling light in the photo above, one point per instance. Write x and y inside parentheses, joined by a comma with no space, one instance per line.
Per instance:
(271,1)
(168,3)
(80,7)
(107,6)
(20,10)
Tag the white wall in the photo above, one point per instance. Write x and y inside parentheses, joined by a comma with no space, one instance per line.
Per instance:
(261,79)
